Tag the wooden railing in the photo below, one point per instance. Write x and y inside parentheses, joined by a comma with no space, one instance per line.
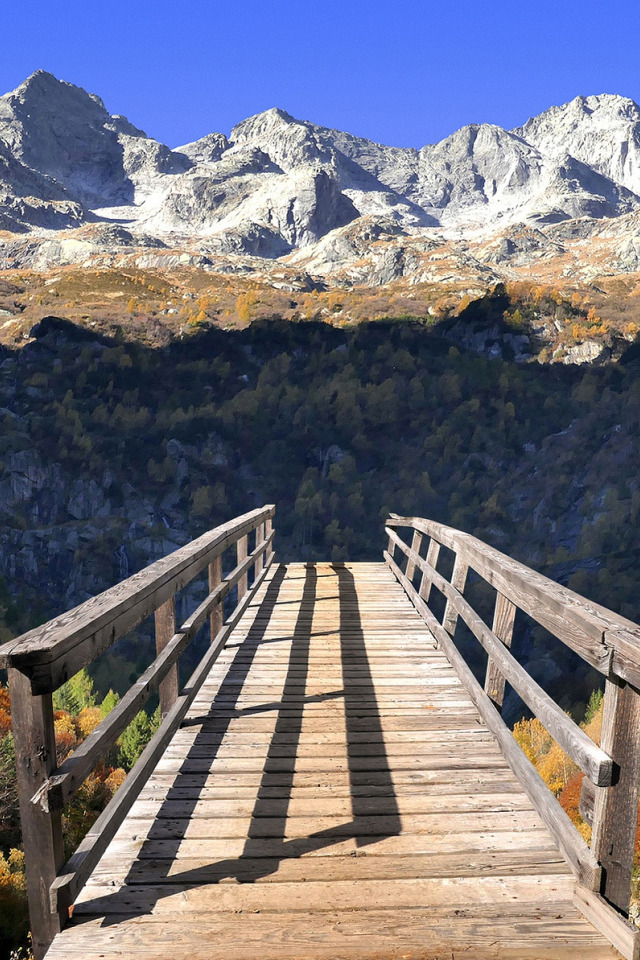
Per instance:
(608,642)
(41,661)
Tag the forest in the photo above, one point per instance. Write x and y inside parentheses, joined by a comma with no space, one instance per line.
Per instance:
(113,451)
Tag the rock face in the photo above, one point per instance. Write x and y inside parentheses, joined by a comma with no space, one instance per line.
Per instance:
(279,185)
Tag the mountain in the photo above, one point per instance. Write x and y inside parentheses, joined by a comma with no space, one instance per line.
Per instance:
(281,187)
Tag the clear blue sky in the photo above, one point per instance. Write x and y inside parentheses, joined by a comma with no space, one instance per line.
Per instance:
(404,72)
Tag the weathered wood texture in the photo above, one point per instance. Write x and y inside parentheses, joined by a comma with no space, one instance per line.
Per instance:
(60,787)
(610,643)
(51,654)
(592,759)
(606,640)
(615,808)
(331,793)
(504,616)
(42,833)
(215,579)
(165,626)
(71,879)
(577,853)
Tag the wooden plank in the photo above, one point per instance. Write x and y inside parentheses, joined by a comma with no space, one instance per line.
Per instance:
(615,813)
(323,897)
(504,616)
(495,843)
(624,936)
(523,930)
(577,853)
(331,828)
(334,868)
(167,808)
(35,747)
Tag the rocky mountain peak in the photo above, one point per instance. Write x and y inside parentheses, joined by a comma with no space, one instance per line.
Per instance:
(261,124)
(279,183)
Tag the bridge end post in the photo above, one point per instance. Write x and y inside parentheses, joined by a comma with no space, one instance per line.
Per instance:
(615,811)
(35,747)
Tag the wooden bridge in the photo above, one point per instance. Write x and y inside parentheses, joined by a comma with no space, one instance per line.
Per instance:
(332,781)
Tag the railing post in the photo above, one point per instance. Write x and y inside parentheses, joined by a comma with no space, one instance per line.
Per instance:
(615,813)
(165,623)
(504,615)
(458,580)
(416,542)
(433,553)
(268,529)
(242,547)
(216,618)
(34,736)
(259,564)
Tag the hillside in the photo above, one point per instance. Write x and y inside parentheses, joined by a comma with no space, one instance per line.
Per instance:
(114,453)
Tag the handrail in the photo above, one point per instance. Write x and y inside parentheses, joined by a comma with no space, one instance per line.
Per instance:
(605,640)
(52,653)
(593,761)
(41,660)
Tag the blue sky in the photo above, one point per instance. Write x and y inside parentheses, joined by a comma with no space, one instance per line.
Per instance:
(403,72)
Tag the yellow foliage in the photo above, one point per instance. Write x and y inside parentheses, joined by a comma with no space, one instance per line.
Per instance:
(12,871)
(244,303)
(593,729)
(556,768)
(64,724)
(532,738)
(87,720)
(115,779)
(552,763)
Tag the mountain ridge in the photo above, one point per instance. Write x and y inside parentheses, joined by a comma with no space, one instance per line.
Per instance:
(278,187)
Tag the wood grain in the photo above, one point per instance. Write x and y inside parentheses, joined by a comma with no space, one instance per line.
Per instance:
(332,792)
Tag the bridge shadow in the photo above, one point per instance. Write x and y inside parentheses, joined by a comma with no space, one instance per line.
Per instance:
(267,843)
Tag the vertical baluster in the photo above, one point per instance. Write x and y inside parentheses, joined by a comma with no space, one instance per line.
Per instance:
(242,553)
(268,528)
(458,580)
(165,624)
(391,548)
(433,553)
(615,811)
(259,564)
(504,615)
(216,617)
(33,732)
(416,542)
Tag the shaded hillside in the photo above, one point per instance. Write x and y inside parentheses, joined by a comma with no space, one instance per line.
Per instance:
(113,454)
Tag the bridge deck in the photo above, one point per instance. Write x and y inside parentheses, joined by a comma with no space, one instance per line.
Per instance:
(333,794)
